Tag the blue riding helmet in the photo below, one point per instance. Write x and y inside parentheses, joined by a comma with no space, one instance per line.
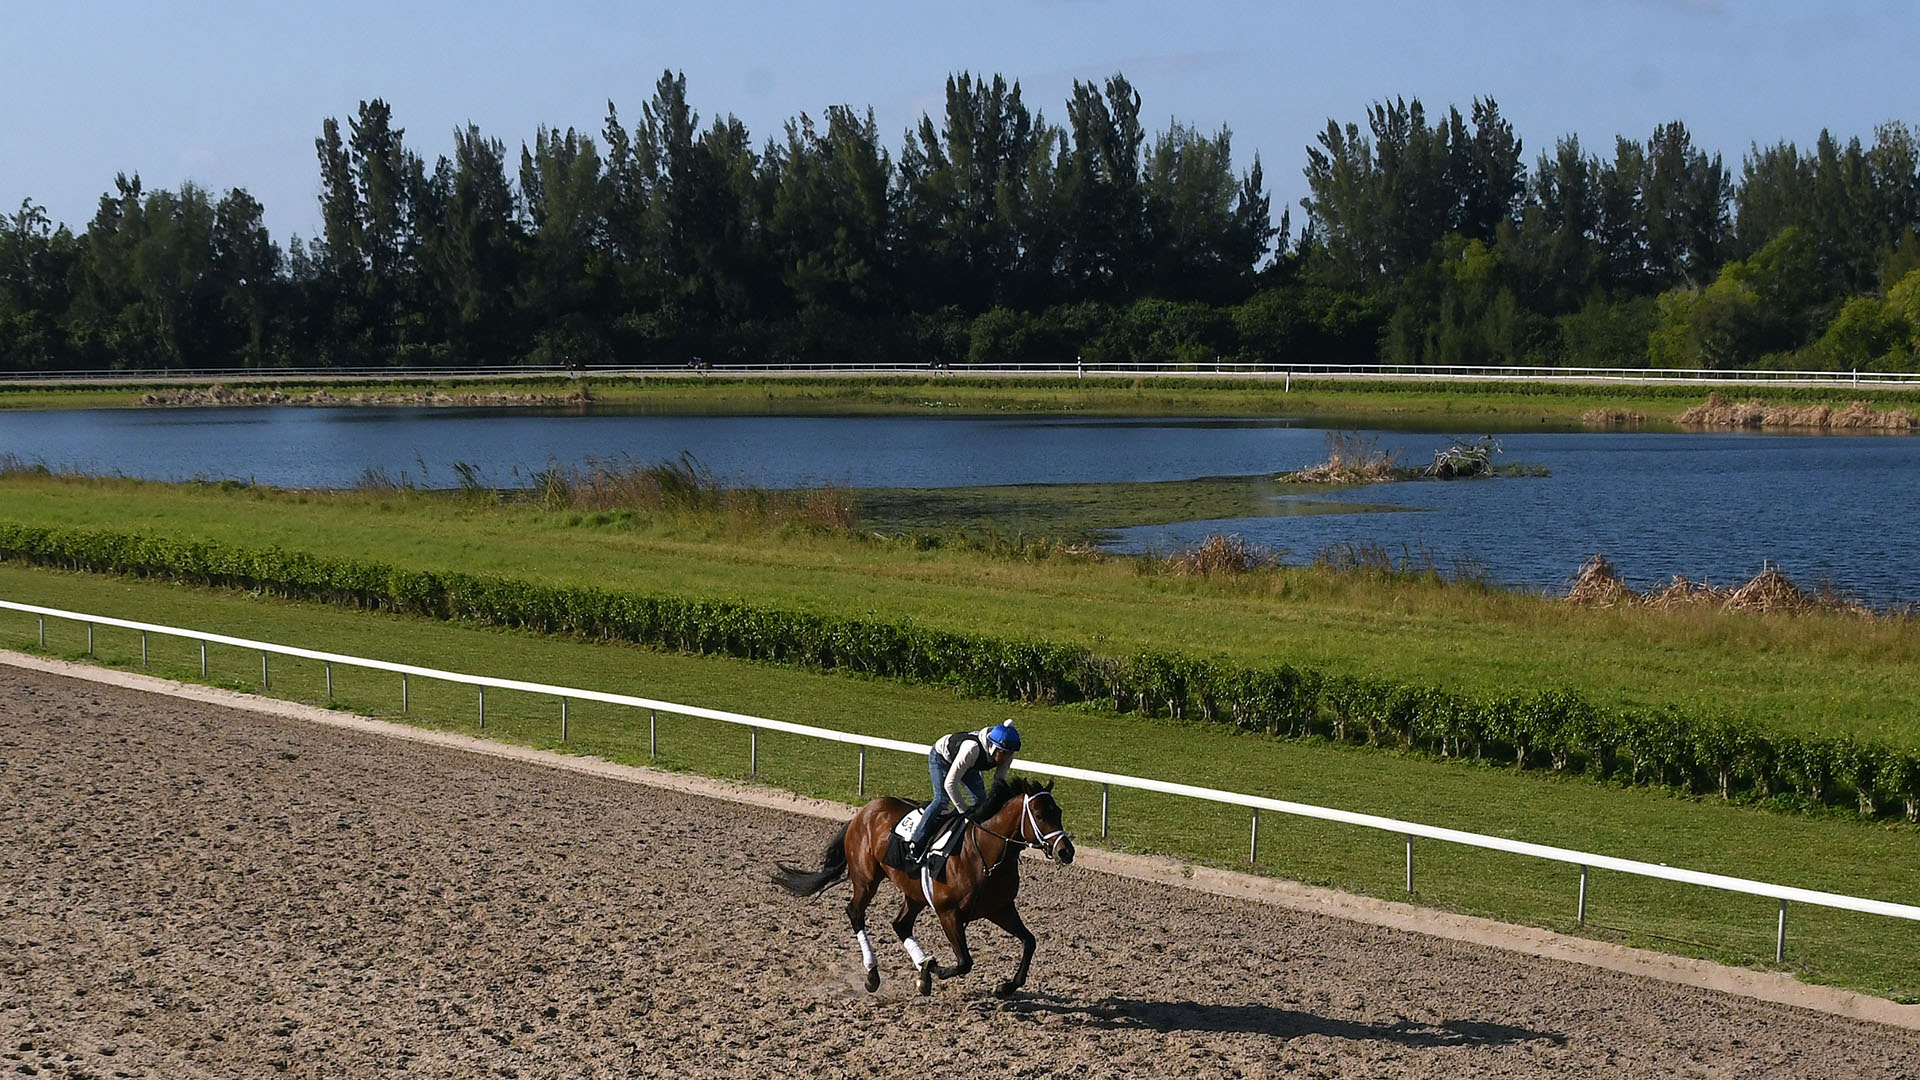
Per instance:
(1004,737)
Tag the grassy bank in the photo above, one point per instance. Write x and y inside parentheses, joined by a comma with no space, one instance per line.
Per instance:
(1475,406)
(1823,852)
(1810,673)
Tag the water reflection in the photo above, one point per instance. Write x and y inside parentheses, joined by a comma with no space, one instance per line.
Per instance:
(1711,507)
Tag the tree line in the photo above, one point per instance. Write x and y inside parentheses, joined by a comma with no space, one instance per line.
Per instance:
(992,234)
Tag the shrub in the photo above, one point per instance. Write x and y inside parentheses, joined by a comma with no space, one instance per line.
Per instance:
(1666,746)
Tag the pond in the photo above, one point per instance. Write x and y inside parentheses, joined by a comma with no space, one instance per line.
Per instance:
(1718,507)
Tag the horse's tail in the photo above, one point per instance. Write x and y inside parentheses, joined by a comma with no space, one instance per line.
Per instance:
(833,867)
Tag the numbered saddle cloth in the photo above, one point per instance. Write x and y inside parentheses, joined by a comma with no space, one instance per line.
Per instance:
(943,841)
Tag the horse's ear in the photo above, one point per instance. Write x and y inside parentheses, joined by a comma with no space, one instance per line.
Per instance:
(1049,787)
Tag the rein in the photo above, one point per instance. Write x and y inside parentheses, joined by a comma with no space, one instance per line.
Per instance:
(1018,842)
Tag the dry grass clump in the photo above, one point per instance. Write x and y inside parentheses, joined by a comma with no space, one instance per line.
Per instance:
(686,486)
(1771,592)
(1373,560)
(1224,555)
(1677,591)
(1351,459)
(1597,585)
(1854,416)
(1612,418)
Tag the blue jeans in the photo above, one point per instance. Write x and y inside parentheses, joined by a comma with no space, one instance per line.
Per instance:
(937,768)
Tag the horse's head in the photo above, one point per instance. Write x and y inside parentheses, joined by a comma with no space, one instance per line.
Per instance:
(1043,825)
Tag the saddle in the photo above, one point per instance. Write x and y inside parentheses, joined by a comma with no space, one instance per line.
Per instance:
(943,841)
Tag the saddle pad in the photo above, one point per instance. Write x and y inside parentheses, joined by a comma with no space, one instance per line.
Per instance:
(946,840)
(946,836)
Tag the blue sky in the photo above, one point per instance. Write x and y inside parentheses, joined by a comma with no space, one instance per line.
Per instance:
(231,94)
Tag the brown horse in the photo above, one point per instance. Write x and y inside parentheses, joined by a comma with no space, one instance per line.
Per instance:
(980,881)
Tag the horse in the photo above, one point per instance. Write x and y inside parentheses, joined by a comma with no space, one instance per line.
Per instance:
(982,876)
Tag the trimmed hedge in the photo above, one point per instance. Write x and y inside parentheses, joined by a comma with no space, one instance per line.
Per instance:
(1549,729)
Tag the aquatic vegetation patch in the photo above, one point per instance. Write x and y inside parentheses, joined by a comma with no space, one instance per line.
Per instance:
(1718,412)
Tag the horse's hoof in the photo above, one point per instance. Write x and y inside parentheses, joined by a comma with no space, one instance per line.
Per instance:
(1006,989)
(926,980)
(873,979)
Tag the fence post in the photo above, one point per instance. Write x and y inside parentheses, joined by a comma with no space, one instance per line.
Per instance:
(329,680)
(653,733)
(1253,846)
(483,708)
(862,788)
(1780,937)
(1583,896)
(43,632)
(143,648)
(563,719)
(203,659)
(404,703)
(89,639)
(266,677)
(753,752)
(1105,791)
(1409,863)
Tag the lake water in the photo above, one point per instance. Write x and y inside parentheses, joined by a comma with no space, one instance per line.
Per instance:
(1714,507)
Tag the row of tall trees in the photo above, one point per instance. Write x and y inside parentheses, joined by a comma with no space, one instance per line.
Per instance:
(1652,254)
(993,234)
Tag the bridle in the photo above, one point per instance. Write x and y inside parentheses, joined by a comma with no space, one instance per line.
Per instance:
(1028,821)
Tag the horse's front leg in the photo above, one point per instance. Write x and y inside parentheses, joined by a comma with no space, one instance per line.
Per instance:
(957,935)
(1008,919)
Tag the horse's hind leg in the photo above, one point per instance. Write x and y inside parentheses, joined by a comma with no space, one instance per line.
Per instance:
(864,886)
(923,965)
(1008,919)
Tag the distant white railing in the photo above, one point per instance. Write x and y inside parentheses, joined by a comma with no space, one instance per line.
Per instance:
(1586,861)
(1283,373)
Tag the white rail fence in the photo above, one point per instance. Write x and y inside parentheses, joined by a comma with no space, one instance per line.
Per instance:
(1410,830)
(1283,373)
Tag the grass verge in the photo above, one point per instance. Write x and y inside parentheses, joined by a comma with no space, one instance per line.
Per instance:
(1825,852)
(1813,673)
(1481,406)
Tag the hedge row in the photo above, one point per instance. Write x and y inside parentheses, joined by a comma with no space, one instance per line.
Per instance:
(1552,729)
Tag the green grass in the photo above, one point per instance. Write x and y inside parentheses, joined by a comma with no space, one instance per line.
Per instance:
(1477,406)
(1829,852)
(1821,673)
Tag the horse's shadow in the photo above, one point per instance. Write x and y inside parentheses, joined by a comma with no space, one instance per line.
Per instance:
(1165,1017)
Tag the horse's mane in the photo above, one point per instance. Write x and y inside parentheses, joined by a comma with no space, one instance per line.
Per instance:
(1006,790)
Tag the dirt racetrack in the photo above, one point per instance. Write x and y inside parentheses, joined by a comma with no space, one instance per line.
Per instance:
(188,890)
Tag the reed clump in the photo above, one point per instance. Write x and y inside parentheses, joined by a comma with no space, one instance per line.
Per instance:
(685,486)
(1769,592)
(1717,411)
(1356,459)
(1222,556)
(1612,418)
(1351,459)
(1599,585)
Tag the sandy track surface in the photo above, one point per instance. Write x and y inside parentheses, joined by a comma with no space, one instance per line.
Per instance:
(188,890)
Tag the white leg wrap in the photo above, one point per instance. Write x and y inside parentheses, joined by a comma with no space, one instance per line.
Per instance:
(918,954)
(866,951)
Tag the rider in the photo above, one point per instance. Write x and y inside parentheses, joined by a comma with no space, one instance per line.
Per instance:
(955,763)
